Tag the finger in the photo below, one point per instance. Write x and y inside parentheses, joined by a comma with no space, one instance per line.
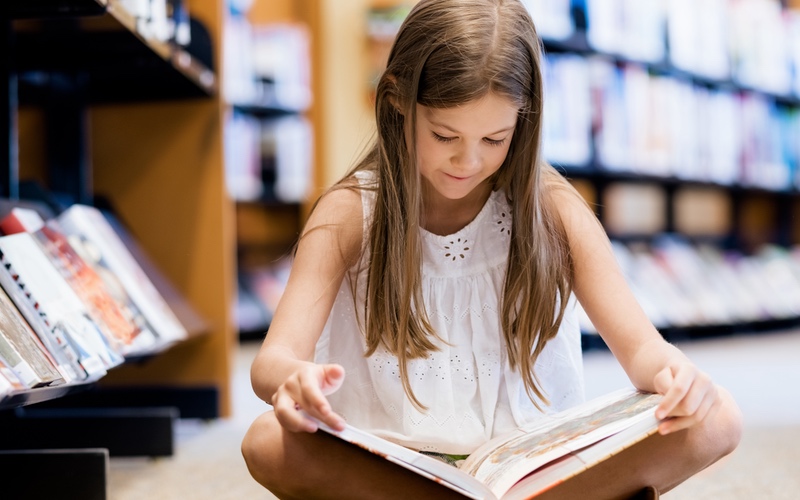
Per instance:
(699,391)
(287,413)
(707,408)
(710,405)
(681,382)
(663,380)
(675,424)
(333,377)
(315,403)
(662,383)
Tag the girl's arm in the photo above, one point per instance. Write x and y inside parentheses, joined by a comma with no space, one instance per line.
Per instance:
(650,362)
(283,372)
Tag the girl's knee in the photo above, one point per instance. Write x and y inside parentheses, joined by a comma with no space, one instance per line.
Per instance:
(720,433)
(730,424)
(259,442)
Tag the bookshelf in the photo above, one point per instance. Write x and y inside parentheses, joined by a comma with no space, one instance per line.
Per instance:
(98,110)
(738,217)
(272,173)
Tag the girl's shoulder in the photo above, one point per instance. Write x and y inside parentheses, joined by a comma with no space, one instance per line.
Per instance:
(561,194)
(338,218)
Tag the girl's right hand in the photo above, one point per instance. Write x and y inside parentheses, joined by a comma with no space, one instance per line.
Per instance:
(305,390)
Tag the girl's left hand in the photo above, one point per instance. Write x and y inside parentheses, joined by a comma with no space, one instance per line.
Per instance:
(689,397)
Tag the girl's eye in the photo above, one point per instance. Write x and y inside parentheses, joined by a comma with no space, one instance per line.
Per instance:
(494,142)
(441,138)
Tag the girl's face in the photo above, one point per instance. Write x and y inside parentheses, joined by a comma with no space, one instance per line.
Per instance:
(459,148)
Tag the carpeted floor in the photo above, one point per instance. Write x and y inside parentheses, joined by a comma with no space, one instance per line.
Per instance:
(761,371)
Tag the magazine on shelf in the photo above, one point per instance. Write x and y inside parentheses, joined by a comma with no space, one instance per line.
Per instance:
(45,298)
(536,457)
(105,301)
(91,234)
(64,353)
(22,350)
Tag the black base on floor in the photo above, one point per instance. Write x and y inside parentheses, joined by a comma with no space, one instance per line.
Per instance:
(191,402)
(63,474)
(122,431)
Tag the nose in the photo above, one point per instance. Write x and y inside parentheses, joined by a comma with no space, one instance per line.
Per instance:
(467,159)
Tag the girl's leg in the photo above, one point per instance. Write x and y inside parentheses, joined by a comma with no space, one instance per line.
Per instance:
(305,466)
(301,465)
(660,461)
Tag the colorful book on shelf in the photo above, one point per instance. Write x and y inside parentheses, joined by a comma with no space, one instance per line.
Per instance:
(534,458)
(106,302)
(64,354)
(53,309)
(88,228)
(22,350)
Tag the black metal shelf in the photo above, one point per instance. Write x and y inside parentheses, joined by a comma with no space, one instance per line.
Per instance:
(64,55)
(113,65)
(40,394)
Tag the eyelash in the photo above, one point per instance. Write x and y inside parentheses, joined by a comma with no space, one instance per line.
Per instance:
(445,140)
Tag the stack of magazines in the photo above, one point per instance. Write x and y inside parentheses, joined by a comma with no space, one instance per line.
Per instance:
(75,301)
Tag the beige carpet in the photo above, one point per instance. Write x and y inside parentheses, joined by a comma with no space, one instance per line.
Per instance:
(762,372)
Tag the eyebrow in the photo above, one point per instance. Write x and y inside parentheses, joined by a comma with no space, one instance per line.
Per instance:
(451,129)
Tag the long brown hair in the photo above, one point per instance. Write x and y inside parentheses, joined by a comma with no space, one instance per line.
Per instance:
(447,53)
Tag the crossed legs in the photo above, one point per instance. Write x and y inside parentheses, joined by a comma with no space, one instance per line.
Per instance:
(302,465)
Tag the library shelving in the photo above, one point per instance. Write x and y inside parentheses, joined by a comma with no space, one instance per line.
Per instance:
(269,146)
(98,109)
(738,216)
(747,213)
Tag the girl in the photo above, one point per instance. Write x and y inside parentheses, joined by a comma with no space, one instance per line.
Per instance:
(431,296)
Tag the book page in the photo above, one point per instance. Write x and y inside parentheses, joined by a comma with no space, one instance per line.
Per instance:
(501,463)
(572,464)
(436,470)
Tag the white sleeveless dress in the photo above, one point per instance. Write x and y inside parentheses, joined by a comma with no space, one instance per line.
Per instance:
(471,393)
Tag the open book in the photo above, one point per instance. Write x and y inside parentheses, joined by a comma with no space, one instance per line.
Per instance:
(537,457)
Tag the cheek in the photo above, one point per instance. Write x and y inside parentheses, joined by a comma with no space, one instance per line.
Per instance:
(499,156)
(430,151)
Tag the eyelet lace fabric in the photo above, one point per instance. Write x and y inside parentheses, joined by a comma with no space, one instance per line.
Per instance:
(469,390)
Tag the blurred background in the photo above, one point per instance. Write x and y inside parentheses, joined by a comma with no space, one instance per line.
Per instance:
(678,121)
(212,130)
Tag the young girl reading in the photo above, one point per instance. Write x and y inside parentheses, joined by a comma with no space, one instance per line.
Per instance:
(432,295)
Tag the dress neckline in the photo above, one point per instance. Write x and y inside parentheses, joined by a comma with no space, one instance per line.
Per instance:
(469,225)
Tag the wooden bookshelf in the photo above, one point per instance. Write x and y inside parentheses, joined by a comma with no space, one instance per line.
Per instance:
(154,141)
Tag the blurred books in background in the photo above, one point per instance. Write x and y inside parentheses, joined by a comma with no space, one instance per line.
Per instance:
(682,285)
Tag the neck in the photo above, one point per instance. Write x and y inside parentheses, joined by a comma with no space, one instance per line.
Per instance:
(444,216)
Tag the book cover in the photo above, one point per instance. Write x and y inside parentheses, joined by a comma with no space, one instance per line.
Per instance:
(534,458)
(55,305)
(106,302)
(54,339)
(88,229)
(115,319)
